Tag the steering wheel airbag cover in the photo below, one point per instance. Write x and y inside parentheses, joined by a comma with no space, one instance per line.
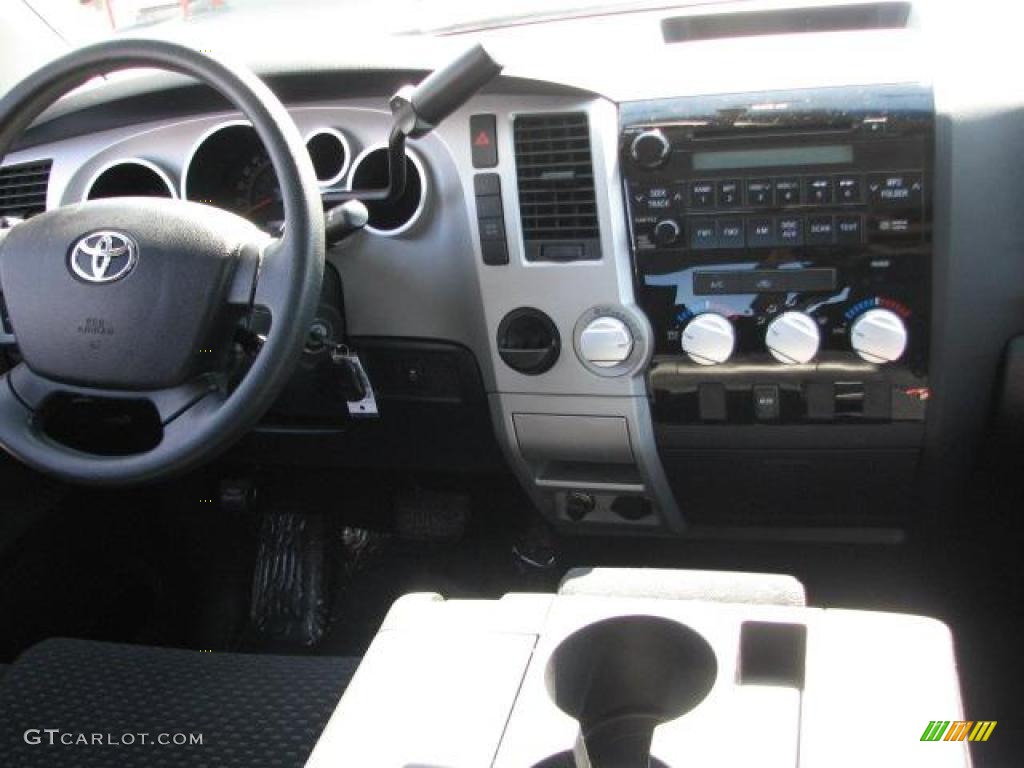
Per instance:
(137,331)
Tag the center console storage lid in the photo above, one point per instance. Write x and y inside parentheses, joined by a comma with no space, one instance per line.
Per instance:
(436,686)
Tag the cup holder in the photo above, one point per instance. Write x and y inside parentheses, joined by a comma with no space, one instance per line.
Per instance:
(622,677)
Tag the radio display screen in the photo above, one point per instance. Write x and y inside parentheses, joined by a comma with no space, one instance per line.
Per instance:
(830,154)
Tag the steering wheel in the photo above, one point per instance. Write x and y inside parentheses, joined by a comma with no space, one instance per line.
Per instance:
(138,298)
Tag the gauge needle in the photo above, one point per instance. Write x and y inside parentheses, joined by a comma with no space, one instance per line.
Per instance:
(261,204)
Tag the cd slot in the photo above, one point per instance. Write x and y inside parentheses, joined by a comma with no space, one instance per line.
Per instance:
(746,128)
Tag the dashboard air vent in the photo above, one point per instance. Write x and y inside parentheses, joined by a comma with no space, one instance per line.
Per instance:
(556,187)
(23,188)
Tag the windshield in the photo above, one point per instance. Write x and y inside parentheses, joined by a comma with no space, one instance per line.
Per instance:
(83,21)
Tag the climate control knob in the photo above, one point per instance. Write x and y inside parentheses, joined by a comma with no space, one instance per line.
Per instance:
(708,339)
(606,342)
(879,336)
(793,338)
(650,149)
(666,232)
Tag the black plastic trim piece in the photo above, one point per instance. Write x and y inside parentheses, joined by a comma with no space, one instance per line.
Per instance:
(158,97)
(528,341)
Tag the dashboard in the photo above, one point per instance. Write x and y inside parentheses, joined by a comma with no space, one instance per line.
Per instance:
(684,295)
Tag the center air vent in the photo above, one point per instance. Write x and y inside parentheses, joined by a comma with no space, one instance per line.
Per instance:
(556,187)
(23,188)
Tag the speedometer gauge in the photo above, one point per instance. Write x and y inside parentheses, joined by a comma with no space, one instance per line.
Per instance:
(230,169)
(258,194)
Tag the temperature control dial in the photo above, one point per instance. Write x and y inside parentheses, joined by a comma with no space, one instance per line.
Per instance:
(708,339)
(650,149)
(793,338)
(606,342)
(879,336)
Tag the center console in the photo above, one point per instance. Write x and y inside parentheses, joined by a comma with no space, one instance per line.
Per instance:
(585,678)
(781,246)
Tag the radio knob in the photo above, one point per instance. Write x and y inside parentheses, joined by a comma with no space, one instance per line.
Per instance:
(666,232)
(650,149)
(708,339)
(793,338)
(879,336)
(606,342)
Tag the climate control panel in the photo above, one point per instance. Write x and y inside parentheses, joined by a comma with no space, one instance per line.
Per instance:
(877,336)
(782,249)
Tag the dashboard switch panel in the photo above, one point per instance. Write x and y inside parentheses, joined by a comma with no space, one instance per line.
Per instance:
(490,218)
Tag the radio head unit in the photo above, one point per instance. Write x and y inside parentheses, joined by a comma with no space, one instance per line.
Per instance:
(782,251)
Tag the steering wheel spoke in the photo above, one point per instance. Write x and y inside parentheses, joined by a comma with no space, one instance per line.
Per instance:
(242,290)
(6,334)
(33,390)
(272,287)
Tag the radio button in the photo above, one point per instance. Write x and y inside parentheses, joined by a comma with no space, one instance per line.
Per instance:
(895,190)
(789,230)
(658,199)
(787,191)
(730,233)
(759,192)
(760,233)
(820,230)
(655,200)
(729,194)
(702,194)
(703,234)
(849,230)
(848,189)
(818,190)
(894,228)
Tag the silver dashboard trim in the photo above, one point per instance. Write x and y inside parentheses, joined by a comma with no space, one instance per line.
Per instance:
(199,142)
(424,187)
(340,136)
(148,164)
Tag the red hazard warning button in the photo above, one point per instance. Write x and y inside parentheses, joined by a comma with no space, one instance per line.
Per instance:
(484,140)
